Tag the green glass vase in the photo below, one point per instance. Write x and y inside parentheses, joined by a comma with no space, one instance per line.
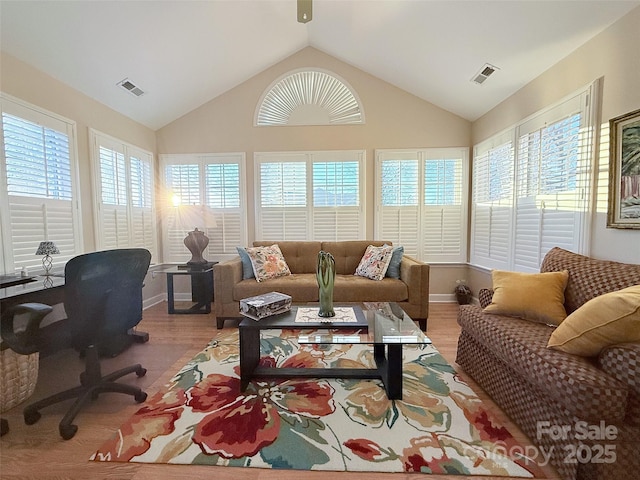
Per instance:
(326,275)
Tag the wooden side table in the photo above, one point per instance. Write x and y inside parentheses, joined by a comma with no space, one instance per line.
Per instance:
(201,288)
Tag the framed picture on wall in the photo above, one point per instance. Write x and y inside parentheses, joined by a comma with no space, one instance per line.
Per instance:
(624,171)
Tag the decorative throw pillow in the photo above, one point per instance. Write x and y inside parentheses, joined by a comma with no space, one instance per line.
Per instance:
(268,262)
(532,296)
(374,262)
(602,321)
(247,267)
(394,264)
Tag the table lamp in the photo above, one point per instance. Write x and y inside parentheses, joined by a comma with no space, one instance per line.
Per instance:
(47,249)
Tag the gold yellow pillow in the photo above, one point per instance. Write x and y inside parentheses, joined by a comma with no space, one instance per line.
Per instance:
(532,296)
(602,321)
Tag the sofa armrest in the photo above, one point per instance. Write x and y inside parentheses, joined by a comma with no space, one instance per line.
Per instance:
(415,274)
(622,362)
(225,276)
(485,295)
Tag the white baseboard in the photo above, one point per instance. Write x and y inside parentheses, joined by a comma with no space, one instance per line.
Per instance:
(149,302)
(448,298)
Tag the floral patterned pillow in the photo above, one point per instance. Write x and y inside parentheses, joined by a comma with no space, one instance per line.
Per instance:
(374,262)
(268,262)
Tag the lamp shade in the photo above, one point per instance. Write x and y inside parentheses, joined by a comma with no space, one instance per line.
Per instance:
(47,248)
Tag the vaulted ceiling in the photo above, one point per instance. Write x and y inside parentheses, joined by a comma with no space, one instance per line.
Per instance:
(185,53)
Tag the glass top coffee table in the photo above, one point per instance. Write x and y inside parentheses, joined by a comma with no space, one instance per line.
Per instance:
(383,325)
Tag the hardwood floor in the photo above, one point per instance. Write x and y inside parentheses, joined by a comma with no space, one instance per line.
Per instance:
(38,452)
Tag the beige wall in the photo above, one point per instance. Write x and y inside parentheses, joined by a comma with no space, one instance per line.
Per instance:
(613,56)
(394,119)
(33,86)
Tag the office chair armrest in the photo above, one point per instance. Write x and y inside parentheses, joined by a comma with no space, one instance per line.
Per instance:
(20,340)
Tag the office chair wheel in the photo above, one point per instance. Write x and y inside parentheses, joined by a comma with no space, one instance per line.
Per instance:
(31,416)
(141,372)
(68,431)
(140,397)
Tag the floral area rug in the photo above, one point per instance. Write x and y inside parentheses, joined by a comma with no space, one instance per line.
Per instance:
(201,417)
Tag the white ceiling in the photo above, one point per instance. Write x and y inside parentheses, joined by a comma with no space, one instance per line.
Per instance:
(185,53)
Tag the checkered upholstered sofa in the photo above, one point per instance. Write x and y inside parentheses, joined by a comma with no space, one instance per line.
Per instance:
(557,398)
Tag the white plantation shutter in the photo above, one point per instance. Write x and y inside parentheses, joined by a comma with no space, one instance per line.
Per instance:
(310,195)
(421,203)
(40,169)
(492,205)
(398,218)
(544,201)
(124,197)
(212,186)
(143,215)
(552,183)
(444,214)
(113,218)
(223,196)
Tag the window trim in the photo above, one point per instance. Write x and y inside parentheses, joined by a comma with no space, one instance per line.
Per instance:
(590,109)
(128,151)
(309,157)
(200,159)
(422,155)
(28,111)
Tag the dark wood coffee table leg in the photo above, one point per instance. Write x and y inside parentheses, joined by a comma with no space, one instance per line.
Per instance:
(249,354)
(393,382)
(390,368)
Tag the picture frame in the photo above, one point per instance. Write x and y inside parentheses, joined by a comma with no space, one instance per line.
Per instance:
(624,171)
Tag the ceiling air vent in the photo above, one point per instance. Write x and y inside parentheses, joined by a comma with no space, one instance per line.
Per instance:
(131,87)
(485,72)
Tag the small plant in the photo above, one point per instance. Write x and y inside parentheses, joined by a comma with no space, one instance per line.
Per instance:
(463,292)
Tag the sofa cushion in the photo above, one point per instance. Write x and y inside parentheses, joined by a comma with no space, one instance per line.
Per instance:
(301,287)
(574,382)
(394,265)
(247,266)
(374,262)
(347,288)
(589,277)
(352,288)
(532,296)
(268,262)
(301,257)
(602,321)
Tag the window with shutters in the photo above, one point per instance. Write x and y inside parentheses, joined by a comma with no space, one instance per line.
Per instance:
(39,199)
(310,195)
(124,198)
(204,191)
(492,202)
(532,187)
(421,202)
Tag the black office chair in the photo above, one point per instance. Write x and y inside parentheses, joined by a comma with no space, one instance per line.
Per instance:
(102,299)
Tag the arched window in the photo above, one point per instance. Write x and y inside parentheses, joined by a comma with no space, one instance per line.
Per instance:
(309,97)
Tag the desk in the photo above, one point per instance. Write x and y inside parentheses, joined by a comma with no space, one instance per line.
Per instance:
(201,287)
(49,290)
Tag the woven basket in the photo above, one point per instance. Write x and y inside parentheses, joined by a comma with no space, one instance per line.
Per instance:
(18,377)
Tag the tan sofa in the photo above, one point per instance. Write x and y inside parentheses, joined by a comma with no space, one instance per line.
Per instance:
(410,291)
(544,390)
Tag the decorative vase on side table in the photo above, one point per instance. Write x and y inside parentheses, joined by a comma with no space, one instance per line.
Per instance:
(196,241)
